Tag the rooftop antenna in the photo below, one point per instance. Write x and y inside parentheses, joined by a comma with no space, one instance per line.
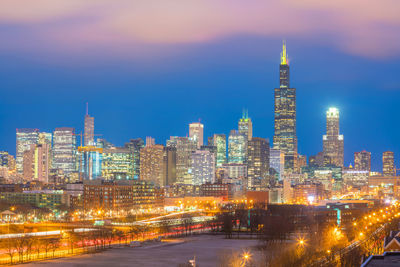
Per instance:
(87,108)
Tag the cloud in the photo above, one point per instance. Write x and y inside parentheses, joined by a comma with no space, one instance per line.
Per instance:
(370,29)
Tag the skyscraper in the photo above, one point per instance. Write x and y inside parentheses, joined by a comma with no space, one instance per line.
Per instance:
(362,161)
(64,150)
(285,138)
(37,163)
(220,143)
(245,125)
(203,167)
(196,131)
(333,141)
(89,129)
(277,161)
(388,163)
(258,162)
(237,147)
(151,164)
(184,148)
(117,163)
(25,138)
(134,146)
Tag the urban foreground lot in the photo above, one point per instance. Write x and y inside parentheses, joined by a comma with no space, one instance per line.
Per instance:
(209,249)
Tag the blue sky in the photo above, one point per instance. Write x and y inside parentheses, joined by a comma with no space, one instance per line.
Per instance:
(149,83)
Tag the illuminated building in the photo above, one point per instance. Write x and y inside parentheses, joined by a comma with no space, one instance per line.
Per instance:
(4,159)
(277,161)
(90,162)
(301,161)
(362,161)
(64,150)
(150,141)
(285,138)
(355,177)
(118,195)
(219,141)
(388,163)
(309,190)
(45,138)
(203,167)
(25,138)
(333,141)
(184,148)
(316,160)
(117,163)
(237,147)
(158,164)
(196,131)
(258,162)
(236,170)
(245,125)
(43,199)
(135,145)
(103,143)
(224,191)
(89,129)
(36,163)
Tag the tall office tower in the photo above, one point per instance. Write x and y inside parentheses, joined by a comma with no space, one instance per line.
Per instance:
(150,141)
(258,163)
(89,161)
(12,165)
(245,125)
(37,163)
(333,141)
(362,161)
(117,164)
(203,167)
(103,143)
(388,163)
(134,146)
(151,164)
(45,138)
(277,161)
(219,141)
(25,138)
(285,138)
(169,165)
(64,150)
(196,131)
(210,140)
(184,147)
(89,129)
(316,160)
(237,147)
(4,159)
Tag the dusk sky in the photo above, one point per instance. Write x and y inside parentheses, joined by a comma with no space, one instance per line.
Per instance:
(149,68)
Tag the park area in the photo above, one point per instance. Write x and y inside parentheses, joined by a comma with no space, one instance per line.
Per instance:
(208,250)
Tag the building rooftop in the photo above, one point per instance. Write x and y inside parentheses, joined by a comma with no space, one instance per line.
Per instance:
(387,259)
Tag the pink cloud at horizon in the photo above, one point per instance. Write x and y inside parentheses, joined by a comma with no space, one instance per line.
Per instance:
(364,28)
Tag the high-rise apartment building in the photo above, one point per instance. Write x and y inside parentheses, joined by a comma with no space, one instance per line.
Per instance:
(203,167)
(25,138)
(45,138)
(388,163)
(89,129)
(184,148)
(285,137)
(117,164)
(4,159)
(258,162)
(333,141)
(196,131)
(237,147)
(64,150)
(219,141)
(134,146)
(245,126)
(36,163)
(362,161)
(152,164)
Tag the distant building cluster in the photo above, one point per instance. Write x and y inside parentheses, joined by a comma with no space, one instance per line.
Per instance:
(96,173)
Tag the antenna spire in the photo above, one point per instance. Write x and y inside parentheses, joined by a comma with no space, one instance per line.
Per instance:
(283,54)
(87,108)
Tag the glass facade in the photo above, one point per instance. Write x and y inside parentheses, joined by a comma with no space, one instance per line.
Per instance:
(220,143)
(285,136)
(237,147)
(203,167)
(184,148)
(245,126)
(25,138)
(333,148)
(117,164)
(64,150)
(388,168)
(362,161)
